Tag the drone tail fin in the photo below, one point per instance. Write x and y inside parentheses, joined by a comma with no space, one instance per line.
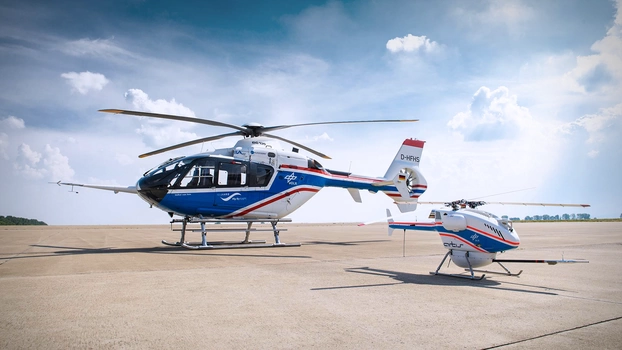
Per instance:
(405,176)
(390,221)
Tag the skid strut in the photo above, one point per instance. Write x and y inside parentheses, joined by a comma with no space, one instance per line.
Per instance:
(470,269)
(215,227)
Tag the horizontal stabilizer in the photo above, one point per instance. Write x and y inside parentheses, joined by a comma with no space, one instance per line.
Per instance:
(356,195)
(406,207)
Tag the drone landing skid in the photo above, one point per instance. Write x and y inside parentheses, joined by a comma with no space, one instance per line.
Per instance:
(506,273)
(470,269)
(246,243)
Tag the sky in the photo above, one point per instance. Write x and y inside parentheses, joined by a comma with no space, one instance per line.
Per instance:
(517,100)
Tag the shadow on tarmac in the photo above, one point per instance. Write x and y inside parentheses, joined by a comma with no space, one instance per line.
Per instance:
(346,243)
(151,250)
(436,280)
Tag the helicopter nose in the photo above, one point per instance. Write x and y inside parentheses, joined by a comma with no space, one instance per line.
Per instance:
(514,235)
(152,193)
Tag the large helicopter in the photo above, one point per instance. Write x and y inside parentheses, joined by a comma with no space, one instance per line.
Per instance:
(473,237)
(257,181)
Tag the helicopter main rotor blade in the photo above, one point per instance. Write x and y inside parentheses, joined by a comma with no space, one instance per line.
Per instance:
(173,117)
(280,127)
(189,143)
(319,154)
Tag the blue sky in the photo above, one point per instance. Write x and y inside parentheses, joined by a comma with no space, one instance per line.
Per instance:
(510,95)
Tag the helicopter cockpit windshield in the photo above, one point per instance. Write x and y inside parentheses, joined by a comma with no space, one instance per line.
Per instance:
(207,172)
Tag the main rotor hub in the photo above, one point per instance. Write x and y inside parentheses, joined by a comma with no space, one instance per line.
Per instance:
(253,129)
(463,203)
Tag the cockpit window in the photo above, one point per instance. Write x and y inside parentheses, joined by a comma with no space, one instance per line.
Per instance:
(167,167)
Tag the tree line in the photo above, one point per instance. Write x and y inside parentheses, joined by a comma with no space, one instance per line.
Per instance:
(580,216)
(12,220)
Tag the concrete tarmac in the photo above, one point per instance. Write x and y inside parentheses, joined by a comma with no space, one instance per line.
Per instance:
(346,287)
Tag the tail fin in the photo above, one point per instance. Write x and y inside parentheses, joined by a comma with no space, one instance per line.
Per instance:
(404,174)
(389,221)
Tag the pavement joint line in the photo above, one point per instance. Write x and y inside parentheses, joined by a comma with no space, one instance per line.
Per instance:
(554,333)
(591,299)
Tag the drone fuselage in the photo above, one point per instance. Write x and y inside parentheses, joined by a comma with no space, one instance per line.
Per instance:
(468,233)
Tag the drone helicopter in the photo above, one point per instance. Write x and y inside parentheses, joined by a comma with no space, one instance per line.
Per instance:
(473,237)
(256,181)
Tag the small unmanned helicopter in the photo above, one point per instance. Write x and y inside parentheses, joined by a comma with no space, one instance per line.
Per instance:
(473,237)
(257,181)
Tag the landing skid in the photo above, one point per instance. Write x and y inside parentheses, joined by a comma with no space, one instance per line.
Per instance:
(178,244)
(212,246)
(506,273)
(246,243)
(470,269)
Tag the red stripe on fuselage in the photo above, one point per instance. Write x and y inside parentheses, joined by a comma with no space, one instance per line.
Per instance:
(463,241)
(495,237)
(272,200)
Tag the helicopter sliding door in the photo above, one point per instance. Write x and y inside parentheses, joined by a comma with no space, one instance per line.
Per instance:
(247,184)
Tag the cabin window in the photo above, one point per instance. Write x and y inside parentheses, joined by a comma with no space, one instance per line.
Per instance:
(232,174)
(263,175)
(200,175)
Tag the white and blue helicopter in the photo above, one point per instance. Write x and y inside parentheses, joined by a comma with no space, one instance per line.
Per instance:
(257,181)
(474,237)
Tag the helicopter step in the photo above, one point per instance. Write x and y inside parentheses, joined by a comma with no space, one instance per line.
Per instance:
(246,243)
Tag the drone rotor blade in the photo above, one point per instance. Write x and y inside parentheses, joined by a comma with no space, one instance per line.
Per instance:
(173,117)
(280,127)
(319,154)
(542,204)
(189,143)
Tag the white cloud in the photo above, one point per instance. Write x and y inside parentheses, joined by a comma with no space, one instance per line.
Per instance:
(141,101)
(602,70)
(12,122)
(84,82)
(323,137)
(28,155)
(27,162)
(96,47)
(50,163)
(509,15)
(411,43)
(124,159)
(599,127)
(56,164)
(164,135)
(159,132)
(492,115)
(4,144)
